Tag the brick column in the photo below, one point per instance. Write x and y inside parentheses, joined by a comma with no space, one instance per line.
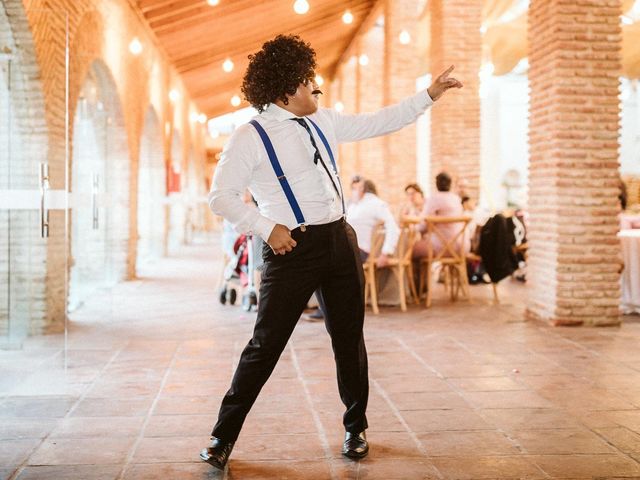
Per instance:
(371,154)
(349,99)
(455,121)
(401,69)
(574,67)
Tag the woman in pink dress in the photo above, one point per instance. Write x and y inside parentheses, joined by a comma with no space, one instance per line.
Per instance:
(442,203)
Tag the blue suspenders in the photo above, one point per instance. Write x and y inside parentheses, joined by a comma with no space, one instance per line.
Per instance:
(333,162)
(275,164)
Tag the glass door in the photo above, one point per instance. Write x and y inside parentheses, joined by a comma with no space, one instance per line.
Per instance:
(32,191)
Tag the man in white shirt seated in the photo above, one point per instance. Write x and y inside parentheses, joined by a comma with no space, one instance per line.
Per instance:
(365,211)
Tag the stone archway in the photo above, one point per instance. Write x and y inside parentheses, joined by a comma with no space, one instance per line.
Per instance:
(151,192)
(100,187)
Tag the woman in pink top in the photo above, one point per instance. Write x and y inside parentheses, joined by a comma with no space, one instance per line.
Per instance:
(442,203)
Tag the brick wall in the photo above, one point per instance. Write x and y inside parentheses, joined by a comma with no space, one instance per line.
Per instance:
(455,123)
(99,30)
(401,69)
(574,61)
(371,152)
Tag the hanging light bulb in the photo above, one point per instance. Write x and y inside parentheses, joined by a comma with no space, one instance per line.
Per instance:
(227,65)
(213,3)
(404,37)
(174,95)
(135,46)
(301,7)
(363,60)
(235,100)
(214,133)
(347,17)
(202,118)
(339,106)
(319,80)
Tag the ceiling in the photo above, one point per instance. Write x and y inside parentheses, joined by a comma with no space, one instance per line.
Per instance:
(199,37)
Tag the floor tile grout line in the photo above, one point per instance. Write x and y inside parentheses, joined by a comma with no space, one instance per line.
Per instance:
(316,418)
(21,467)
(404,423)
(136,444)
(461,392)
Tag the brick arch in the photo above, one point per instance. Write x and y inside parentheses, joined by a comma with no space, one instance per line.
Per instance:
(100,154)
(24,143)
(151,191)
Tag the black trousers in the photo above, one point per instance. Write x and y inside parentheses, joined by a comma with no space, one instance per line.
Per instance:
(326,258)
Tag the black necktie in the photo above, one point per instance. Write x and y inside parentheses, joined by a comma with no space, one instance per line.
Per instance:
(316,154)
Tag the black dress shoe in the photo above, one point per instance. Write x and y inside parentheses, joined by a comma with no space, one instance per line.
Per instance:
(217,453)
(355,445)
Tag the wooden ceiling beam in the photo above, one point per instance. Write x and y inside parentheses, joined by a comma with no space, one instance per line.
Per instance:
(146,5)
(331,23)
(162,18)
(282,18)
(249,45)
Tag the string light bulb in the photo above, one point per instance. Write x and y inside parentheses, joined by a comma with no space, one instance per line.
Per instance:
(404,37)
(235,100)
(174,95)
(227,65)
(202,118)
(301,7)
(135,46)
(347,17)
(213,3)
(319,80)
(339,106)
(363,60)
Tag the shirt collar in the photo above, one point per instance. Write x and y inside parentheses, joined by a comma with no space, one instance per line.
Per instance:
(274,112)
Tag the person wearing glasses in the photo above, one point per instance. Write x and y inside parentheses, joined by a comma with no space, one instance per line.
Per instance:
(287,156)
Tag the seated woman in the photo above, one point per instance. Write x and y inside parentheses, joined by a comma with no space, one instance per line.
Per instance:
(414,204)
(442,203)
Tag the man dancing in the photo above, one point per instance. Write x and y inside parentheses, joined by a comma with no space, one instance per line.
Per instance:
(287,157)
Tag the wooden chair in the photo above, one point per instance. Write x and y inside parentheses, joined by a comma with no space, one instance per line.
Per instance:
(452,257)
(369,267)
(401,265)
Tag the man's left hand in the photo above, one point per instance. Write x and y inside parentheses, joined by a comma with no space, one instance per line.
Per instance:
(442,84)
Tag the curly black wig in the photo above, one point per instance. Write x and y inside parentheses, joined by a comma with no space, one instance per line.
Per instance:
(277,70)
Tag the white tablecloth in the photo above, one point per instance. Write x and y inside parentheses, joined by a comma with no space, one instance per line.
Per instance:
(630,241)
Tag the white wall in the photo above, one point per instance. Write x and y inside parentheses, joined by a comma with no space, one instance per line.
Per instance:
(504,131)
(630,127)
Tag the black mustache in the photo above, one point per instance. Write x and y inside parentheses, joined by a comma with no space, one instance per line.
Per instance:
(317,92)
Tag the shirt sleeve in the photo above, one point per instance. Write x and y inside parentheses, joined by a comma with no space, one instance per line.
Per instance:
(392,232)
(351,128)
(231,178)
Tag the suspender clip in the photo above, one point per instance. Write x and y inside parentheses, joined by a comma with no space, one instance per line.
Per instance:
(303,228)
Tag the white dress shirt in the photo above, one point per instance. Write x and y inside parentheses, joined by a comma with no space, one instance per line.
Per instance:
(365,214)
(244,164)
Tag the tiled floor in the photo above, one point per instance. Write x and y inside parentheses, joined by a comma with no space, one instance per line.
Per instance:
(457,392)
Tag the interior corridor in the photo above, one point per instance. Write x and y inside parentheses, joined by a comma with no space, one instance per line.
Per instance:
(464,390)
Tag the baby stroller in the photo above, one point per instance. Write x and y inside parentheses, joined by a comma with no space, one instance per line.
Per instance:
(240,268)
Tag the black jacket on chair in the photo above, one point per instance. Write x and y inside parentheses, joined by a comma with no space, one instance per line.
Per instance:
(496,247)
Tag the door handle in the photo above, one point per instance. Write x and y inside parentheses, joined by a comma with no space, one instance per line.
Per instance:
(44,211)
(94,201)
